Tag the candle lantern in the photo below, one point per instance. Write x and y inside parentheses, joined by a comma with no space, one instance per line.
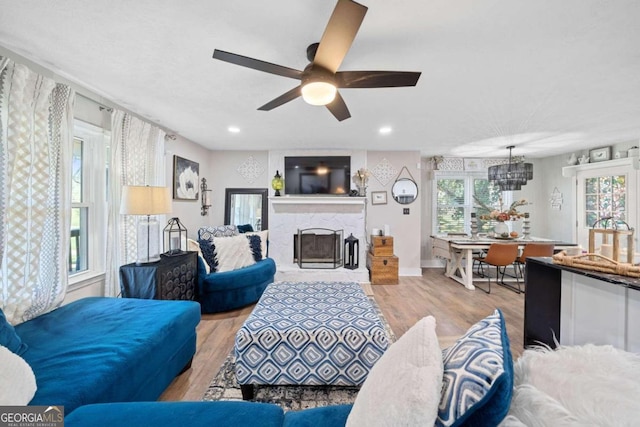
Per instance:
(351,252)
(614,243)
(175,237)
(474,226)
(277,183)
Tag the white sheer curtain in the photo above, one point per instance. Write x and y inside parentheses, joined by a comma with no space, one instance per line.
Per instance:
(137,158)
(36,119)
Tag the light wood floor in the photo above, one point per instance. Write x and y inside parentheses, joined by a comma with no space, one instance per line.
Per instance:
(454,307)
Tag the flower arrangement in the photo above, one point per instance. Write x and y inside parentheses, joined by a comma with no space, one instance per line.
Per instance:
(502,215)
(361,177)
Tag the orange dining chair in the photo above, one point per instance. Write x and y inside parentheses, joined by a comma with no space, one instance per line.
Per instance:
(531,250)
(499,255)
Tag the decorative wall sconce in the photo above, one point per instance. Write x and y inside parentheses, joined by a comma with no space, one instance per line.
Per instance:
(175,237)
(351,252)
(205,197)
(277,183)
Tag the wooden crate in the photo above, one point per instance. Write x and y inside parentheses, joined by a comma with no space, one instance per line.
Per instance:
(383,270)
(381,246)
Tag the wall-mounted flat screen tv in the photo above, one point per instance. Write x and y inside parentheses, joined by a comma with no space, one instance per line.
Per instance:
(317,175)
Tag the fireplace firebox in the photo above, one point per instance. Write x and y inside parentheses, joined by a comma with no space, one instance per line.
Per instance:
(318,248)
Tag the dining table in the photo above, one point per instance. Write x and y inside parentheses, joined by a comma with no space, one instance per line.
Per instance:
(458,251)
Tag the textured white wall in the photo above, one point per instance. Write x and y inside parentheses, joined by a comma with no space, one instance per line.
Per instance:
(405,229)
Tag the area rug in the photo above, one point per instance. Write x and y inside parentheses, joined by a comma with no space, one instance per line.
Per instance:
(224,386)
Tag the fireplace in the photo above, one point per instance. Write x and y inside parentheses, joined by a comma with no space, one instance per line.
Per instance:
(289,214)
(318,248)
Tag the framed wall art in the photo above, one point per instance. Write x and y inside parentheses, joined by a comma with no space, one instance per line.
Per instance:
(378,197)
(600,154)
(186,179)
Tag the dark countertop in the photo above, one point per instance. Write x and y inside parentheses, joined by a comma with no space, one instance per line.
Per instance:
(626,281)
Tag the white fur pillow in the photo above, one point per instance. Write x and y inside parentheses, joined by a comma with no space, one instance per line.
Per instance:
(577,386)
(17,382)
(403,387)
(264,236)
(232,253)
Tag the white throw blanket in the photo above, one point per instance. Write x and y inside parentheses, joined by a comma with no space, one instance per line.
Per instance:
(576,386)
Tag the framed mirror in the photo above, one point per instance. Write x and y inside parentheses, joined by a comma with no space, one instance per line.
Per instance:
(247,206)
(404,191)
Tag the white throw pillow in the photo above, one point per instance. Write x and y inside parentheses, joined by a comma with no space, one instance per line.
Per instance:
(194,246)
(264,236)
(17,382)
(232,253)
(403,387)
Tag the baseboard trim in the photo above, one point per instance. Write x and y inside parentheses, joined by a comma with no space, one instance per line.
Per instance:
(432,263)
(410,272)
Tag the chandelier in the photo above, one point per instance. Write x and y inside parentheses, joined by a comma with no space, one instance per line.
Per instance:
(511,176)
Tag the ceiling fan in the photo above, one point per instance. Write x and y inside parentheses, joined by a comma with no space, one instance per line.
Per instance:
(321,78)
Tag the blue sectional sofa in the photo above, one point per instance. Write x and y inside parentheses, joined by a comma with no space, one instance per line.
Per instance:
(205,414)
(109,349)
(223,291)
(415,382)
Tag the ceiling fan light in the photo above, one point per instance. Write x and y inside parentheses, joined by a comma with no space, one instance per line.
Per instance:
(318,93)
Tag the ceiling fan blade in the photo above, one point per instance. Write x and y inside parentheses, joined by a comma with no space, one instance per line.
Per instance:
(339,34)
(373,79)
(338,108)
(256,64)
(282,99)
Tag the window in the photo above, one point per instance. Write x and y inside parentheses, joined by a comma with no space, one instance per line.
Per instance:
(78,253)
(604,191)
(457,196)
(88,201)
(605,197)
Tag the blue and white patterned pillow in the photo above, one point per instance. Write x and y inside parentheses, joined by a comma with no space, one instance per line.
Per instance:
(208,233)
(478,376)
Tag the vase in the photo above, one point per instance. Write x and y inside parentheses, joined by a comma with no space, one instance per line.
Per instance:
(500,228)
(362,190)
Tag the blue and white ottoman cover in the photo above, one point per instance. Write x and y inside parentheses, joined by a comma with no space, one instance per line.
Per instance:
(311,333)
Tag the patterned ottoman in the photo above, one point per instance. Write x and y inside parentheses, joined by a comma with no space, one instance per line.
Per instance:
(312,333)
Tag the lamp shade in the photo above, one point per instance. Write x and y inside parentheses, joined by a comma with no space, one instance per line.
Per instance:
(319,93)
(145,200)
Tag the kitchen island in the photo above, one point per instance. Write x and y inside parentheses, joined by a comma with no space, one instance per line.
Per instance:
(574,306)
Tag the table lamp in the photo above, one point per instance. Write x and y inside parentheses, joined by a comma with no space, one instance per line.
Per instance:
(144,202)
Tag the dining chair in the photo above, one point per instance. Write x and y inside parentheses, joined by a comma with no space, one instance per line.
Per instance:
(499,255)
(531,250)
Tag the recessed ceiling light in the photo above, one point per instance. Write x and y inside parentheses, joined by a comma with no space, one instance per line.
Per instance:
(233,129)
(385,130)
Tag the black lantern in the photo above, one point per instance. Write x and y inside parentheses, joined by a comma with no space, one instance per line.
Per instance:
(351,252)
(175,237)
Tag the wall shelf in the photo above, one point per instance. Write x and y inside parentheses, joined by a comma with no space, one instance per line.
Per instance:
(569,171)
(317,200)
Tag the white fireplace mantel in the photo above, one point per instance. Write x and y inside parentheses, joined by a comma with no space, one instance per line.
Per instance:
(289,214)
(317,200)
